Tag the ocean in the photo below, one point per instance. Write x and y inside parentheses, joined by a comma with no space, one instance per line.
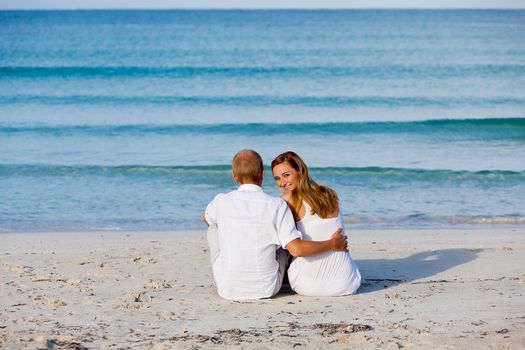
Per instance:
(128,120)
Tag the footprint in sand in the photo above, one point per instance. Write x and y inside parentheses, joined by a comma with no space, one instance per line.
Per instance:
(59,303)
(156,285)
(144,260)
(165,315)
(60,341)
(134,301)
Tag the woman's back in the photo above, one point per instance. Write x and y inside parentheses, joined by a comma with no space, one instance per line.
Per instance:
(329,274)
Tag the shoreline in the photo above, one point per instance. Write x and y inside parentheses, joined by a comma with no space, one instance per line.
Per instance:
(350,228)
(436,288)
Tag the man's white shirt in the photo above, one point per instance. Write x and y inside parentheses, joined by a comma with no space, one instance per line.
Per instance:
(251,227)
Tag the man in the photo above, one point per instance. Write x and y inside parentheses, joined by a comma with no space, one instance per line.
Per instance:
(246,228)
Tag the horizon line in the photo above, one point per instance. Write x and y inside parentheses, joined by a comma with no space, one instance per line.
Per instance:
(257,8)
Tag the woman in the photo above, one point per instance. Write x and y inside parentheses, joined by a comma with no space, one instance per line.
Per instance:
(316,211)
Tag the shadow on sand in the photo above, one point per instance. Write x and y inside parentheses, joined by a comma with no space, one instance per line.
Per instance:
(379,274)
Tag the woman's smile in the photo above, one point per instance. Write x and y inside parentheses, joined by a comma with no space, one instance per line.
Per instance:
(285,176)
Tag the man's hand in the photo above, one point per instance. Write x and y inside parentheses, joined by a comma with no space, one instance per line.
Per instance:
(204,219)
(338,241)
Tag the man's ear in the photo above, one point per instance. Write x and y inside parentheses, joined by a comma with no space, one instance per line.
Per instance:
(235,178)
(262,178)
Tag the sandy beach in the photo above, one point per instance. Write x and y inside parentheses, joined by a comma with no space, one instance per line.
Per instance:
(446,289)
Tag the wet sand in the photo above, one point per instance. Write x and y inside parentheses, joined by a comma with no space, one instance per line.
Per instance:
(444,289)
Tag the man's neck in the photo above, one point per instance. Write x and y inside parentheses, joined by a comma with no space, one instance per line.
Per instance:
(251,183)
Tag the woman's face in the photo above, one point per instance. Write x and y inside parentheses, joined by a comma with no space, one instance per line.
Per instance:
(285,176)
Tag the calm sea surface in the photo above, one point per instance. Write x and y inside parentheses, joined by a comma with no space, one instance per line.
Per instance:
(128,120)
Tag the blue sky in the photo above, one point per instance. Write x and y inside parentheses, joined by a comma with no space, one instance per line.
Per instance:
(249,4)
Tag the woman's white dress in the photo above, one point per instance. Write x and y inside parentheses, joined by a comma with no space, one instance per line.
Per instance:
(328,274)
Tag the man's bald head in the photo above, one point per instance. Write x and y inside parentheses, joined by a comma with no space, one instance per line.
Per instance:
(247,167)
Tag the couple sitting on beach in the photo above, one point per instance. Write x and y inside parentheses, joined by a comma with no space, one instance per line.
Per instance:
(247,229)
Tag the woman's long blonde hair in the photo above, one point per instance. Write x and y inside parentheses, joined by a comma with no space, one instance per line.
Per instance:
(323,200)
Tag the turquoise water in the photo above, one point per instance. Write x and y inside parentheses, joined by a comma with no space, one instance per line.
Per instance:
(129,119)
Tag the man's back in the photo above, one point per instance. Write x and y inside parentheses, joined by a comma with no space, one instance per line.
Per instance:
(251,226)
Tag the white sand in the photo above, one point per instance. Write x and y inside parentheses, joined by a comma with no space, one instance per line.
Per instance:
(422,289)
